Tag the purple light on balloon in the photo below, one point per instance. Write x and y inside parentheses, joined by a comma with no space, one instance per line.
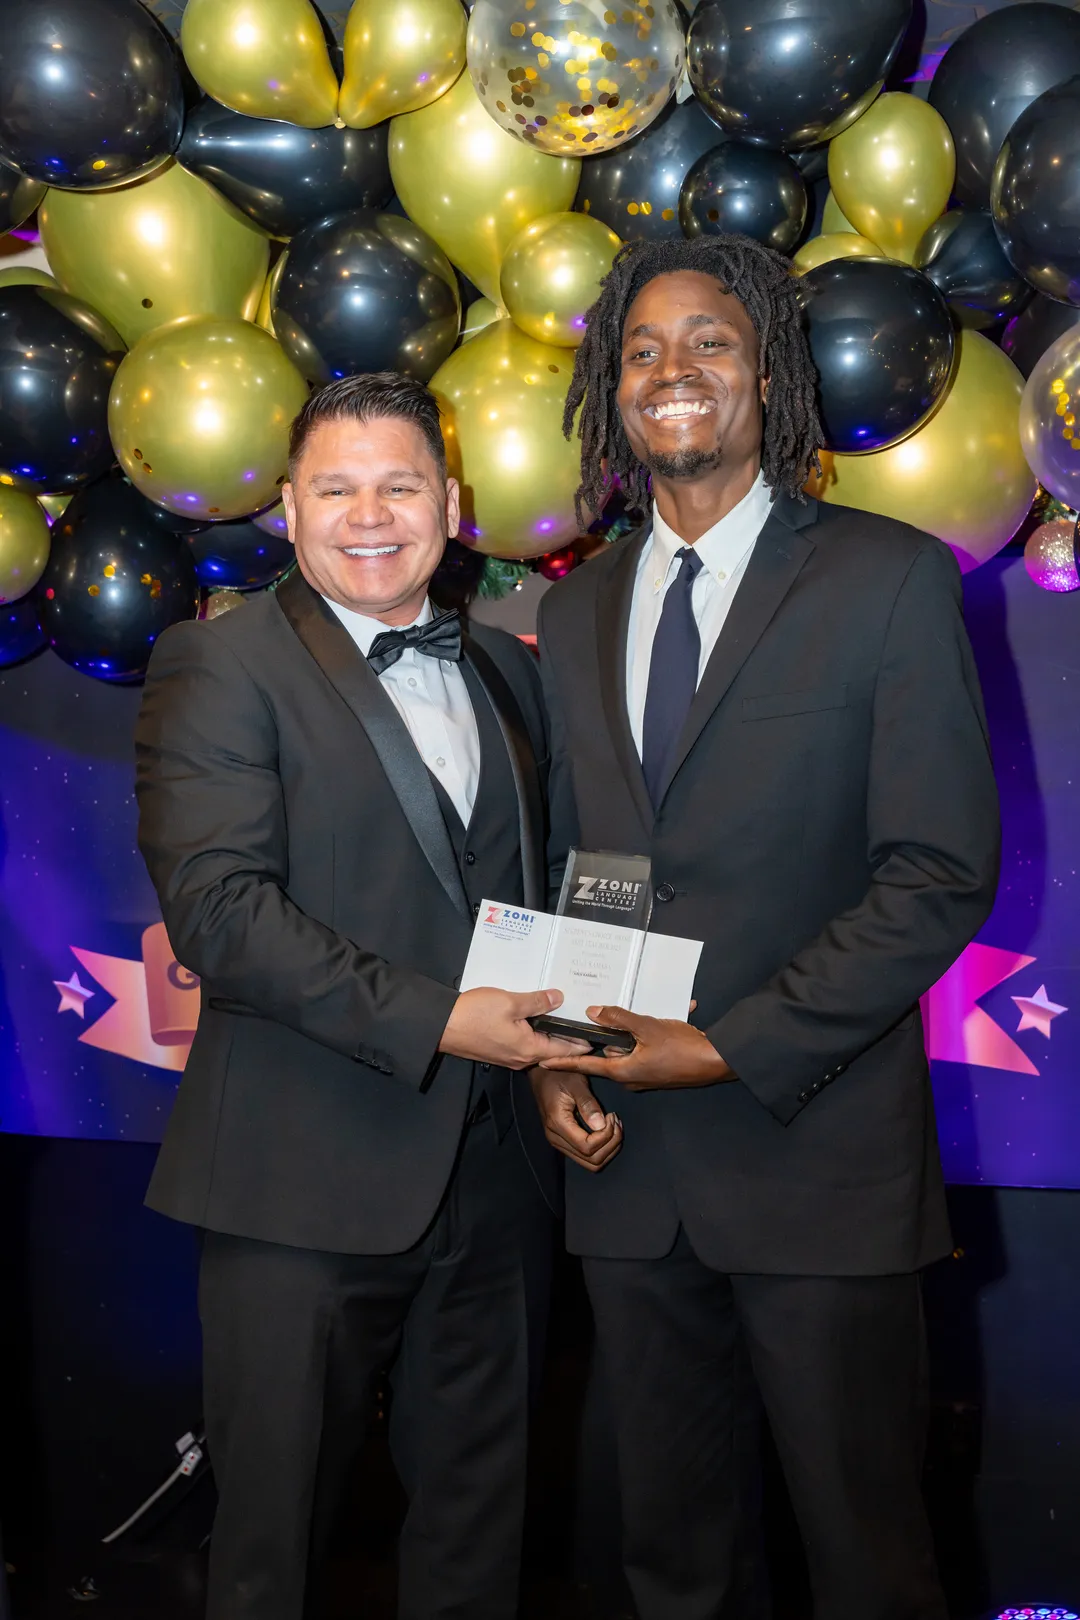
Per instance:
(545,526)
(423,78)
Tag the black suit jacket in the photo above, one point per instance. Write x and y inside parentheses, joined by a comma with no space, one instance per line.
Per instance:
(305,873)
(831,832)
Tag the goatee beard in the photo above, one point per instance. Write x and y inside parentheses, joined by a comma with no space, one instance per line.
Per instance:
(683,463)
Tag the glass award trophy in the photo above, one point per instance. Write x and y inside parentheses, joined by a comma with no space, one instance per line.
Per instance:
(596,944)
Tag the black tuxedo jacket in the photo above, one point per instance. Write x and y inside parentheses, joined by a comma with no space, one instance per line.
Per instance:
(830,831)
(306,874)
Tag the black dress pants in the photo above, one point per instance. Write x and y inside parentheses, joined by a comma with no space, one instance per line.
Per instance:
(294,1342)
(840,1365)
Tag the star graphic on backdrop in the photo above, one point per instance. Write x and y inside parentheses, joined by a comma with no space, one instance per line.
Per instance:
(73,995)
(1037,1012)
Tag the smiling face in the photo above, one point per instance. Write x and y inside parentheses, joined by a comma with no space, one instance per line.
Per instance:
(369,514)
(689,391)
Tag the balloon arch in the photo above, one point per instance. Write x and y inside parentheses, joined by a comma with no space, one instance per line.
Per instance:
(237,201)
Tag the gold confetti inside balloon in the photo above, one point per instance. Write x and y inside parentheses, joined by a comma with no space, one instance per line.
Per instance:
(470,185)
(552,273)
(1049,429)
(148,253)
(480,314)
(199,416)
(1050,556)
(892,172)
(502,397)
(834,245)
(265,58)
(399,56)
(575,77)
(962,476)
(24,543)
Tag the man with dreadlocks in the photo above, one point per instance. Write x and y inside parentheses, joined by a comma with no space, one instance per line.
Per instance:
(776,702)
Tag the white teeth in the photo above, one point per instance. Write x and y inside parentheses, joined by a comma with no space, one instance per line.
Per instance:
(371,551)
(681,407)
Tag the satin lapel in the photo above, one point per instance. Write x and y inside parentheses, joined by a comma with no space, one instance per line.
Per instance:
(615,597)
(777,558)
(336,654)
(523,764)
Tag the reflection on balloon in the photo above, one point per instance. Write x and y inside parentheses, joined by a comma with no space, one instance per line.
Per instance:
(267,60)
(264,315)
(58,359)
(962,476)
(1050,556)
(963,258)
(791,73)
(90,92)
(116,579)
(480,313)
(281,176)
(892,172)
(149,253)
(18,198)
(1033,193)
(552,273)
(273,520)
(470,185)
(882,340)
(1026,339)
(575,77)
(502,399)
(399,56)
(21,635)
(24,544)
(990,73)
(746,190)
(239,556)
(834,245)
(1048,419)
(199,416)
(635,189)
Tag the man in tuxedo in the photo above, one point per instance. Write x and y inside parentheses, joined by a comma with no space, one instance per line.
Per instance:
(330,779)
(775,700)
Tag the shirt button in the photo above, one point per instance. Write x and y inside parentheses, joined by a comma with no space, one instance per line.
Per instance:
(664,891)
(470,858)
(412,680)
(721,576)
(440,761)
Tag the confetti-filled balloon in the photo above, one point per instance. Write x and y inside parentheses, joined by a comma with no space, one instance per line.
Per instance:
(24,544)
(635,189)
(219,602)
(746,191)
(239,556)
(552,273)
(116,579)
(199,417)
(1026,339)
(575,77)
(502,396)
(268,60)
(1050,556)
(399,56)
(21,635)
(1049,427)
(892,172)
(964,259)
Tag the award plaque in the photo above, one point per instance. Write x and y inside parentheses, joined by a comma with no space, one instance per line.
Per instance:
(596,943)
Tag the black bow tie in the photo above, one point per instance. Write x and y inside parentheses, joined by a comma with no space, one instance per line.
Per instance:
(439,638)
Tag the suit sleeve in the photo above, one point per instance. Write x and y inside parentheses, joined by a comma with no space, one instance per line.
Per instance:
(212,831)
(933,847)
(563,831)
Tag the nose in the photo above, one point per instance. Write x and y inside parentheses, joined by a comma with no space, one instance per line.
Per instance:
(676,366)
(368,510)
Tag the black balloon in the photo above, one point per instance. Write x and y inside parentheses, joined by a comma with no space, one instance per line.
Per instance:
(963,258)
(1034,193)
(21,635)
(239,556)
(635,189)
(791,73)
(812,163)
(883,342)
(115,579)
(748,190)
(18,198)
(1026,339)
(990,74)
(365,291)
(58,358)
(90,91)
(284,177)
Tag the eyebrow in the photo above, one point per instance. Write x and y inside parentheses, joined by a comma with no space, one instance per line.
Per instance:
(346,478)
(687,321)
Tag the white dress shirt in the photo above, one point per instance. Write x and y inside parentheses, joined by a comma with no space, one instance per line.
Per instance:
(724,551)
(431,697)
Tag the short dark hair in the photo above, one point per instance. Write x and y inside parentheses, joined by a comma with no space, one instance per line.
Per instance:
(764,283)
(364,398)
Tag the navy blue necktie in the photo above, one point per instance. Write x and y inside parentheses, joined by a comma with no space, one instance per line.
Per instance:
(673,674)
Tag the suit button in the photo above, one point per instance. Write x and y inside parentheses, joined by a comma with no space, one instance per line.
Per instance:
(804,1096)
(664,891)
(476,909)
(470,858)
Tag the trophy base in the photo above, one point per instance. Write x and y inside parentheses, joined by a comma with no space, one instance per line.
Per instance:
(597,1036)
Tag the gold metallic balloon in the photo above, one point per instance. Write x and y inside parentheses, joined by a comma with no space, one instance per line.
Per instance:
(264,316)
(24,543)
(832,219)
(470,185)
(480,314)
(54,505)
(265,58)
(219,602)
(26,275)
(399,56)
(199,416)
(575,77)
(502,397)
(892,172)
(962,476)
(552,273)
(834,245)
(151,252)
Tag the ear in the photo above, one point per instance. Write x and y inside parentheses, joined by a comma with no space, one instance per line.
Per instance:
(453,507)
(289,502)
(763,385)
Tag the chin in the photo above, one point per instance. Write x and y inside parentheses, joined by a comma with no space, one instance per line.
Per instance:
(688,461)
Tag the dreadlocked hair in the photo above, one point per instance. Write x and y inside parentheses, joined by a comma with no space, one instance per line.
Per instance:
(762,280)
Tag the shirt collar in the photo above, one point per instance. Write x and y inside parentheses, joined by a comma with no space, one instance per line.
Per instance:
(364,629)
(721,548)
